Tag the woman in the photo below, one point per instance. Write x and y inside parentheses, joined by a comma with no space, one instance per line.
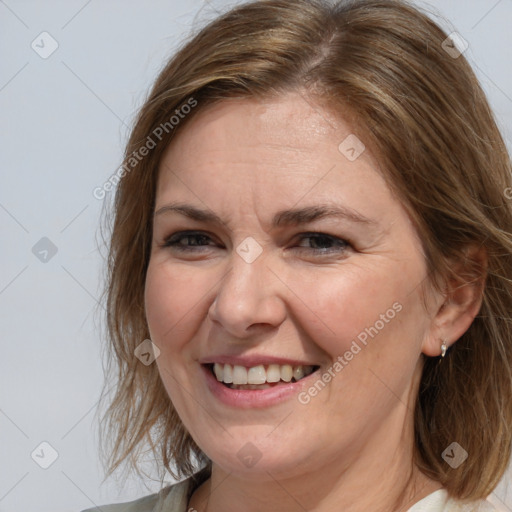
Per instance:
(310,272)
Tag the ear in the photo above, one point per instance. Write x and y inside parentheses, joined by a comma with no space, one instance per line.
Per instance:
(455,309)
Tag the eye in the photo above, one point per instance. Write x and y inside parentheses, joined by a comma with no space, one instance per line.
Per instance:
(323,243)
(198,239)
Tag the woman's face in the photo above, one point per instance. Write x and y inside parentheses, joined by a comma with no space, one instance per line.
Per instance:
(262,281)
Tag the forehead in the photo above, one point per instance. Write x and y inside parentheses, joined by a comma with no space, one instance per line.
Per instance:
(265,140)
(269,155)
(290,120)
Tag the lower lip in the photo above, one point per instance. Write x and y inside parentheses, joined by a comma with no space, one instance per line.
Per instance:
(254,398)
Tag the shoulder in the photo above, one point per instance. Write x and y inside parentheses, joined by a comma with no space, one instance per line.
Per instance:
(172,498)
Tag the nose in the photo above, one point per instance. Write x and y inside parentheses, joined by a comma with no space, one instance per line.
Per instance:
(250,298)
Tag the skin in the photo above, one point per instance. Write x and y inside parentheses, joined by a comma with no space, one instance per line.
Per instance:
(353,442)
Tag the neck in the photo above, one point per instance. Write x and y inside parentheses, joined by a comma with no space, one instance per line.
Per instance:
(222,492)
(380,477)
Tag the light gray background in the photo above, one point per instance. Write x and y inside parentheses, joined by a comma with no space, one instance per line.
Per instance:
(64,120)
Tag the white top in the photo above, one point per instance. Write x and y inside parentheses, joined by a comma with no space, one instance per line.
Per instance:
(174,498)
(439,501)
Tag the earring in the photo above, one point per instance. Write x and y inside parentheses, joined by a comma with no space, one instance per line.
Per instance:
(443,348)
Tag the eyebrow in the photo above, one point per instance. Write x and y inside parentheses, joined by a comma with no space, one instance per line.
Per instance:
(291,217)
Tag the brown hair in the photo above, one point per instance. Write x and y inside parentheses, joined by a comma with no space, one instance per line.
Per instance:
(384,64)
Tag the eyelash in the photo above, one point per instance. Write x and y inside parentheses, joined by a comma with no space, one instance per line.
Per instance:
(173,242)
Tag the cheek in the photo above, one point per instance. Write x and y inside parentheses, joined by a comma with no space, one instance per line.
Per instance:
(173,303)
(370,326)
(378,307)
(172,298)
(177,301)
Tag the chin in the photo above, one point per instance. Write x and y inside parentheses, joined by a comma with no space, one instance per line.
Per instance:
(258,460)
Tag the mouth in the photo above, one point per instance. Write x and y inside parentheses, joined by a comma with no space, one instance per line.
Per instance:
(259,377)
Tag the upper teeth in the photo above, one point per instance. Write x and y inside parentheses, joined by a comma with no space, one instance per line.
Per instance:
(259,374)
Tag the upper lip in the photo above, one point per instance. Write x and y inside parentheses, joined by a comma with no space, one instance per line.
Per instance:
(252,360)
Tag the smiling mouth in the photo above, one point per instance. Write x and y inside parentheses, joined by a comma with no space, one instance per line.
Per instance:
(261,376)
